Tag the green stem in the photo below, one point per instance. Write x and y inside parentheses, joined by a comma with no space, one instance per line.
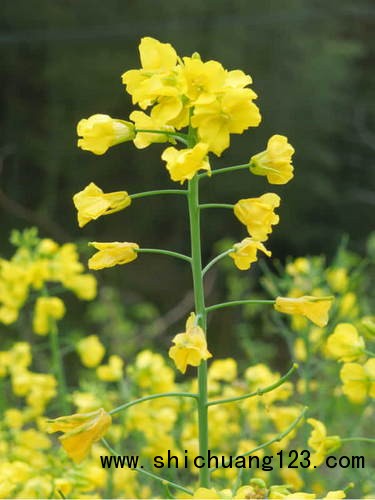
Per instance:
(369,353)
(364,439)
(176,135)
(157,192)
(238,303)
(224,170)
(258,392)
(278,438)
(58,367)
(216,205)
(164,252)
(216,259)
(125,406)
(196,265)
(146,473)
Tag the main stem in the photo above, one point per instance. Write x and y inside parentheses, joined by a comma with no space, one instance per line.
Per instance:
(196,265)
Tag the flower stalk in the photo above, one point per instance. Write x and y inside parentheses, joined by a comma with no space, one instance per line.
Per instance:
(196,266)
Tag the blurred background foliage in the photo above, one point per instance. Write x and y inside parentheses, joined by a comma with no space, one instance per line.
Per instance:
(311,62)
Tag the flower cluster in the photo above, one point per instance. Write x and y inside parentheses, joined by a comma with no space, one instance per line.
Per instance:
(35,264)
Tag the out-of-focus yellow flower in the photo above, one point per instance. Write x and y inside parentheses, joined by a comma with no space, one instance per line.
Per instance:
(223,369)
(231,113)
(320,442)
(190,347)
(299,265)
(337,279)
(47,309)
(145,122)
(204,493)
(345,344)
(335,495)
(300,351)
(91,351)
(358,380)
(292,477)
(99,132)
(14,418)
(245,253)
(275,162)
(111,372)
(183,164)
(91,203)
(80,430)
(112,254)
(258,214)
(83,285)
(348,306)
(314,308)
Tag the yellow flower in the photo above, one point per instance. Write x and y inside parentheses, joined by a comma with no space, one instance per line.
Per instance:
(275,162)
(231,113)
(190,347)
(223,369)
(183,164)
(47,309)
(203,493)
(345,344)
(320,442)
(80,430)
(83,285)
(358,380)
(335,495)
(91,351)
(337,279)
(100,132)
(112,254)
(156,77)
(92,203)
(314,308)
(258,214)
(145,122)
(111,372)
(204,79)
(245,253)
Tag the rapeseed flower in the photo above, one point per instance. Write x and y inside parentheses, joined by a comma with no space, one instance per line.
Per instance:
(358,380)
(190,346)
(91,351)
(91,203)
(183,164)
(314,308)
(80,430)
(112,254)
(245,253)
(230,113)
(113,371)
(275,162)
(99,132)
(158,60)
(258,214)
(145,122)
(345,344)
(47,309)
(320,442)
